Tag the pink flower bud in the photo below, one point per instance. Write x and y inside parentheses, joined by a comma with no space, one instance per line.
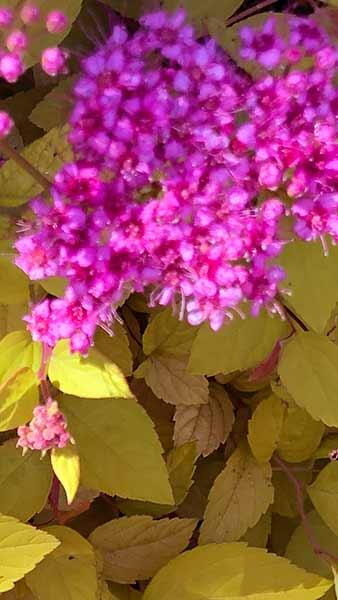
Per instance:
(16,41)
(30,13)
(53,61)
(11,67)
(56,22)
(6,124)
(47,429)
(6,17)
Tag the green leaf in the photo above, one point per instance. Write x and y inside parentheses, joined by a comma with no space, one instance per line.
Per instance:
(302,554)
(160,413)
(14,284)
(66,466)
(238,345)
(55,286)
(54,109)
(181,468)
(19,395)
(135,548)
(240,495)
(233,571)
(324,495)
(300,436)
(11,318)
(169,380)
(26,477)
(21,548)
(327,445)
(309,370)
(312,278)
(67,573)
(198,11)
(285,501)
(265,427)
(119,451)
(17,350)
(92,377)
(116,348)
(165,334)
(208,424)
(39,37)
(258,535)
(47,154)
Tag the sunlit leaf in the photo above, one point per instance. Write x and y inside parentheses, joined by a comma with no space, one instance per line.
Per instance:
(18,397)
(265,427)
(324,495)
(66,466)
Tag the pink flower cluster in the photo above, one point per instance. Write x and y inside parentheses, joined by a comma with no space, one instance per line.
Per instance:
(185,169)
(15,29)
(47,429)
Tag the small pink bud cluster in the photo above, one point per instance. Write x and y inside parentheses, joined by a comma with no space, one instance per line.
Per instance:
(47,429)
(6,124)
(16,41)
(204,164)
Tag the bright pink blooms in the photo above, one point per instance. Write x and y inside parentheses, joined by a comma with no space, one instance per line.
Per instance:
(54,60)
(46,430)
(182,169)
(56,21)
(6,124)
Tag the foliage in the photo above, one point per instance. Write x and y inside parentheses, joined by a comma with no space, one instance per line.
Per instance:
(202,464)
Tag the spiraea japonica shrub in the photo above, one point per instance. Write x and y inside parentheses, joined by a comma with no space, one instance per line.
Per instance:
(168,301)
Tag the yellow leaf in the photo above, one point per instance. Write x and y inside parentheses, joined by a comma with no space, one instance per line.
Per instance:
(66,466)
(116,348)
(11,318)
(233,571)
(301,553)
(208,424)
(165,334)
(18,397)
(328,444)
(55,107)
(124,592)
(300,436)
(67,573)
(91,377)
(160,413)
(265,427)
(23,477)
(119,451)
(17,351)
(21,548)
(198,11)
(238,345)
(170,381)
(324,495)
(285,503)
(47,154)
(258,535)
(312,278)
(14,284)
(54,285)
(135,548)
(241,494)
(309,370)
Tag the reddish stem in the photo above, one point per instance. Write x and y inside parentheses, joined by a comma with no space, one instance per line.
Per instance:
(249,11)
(42,374)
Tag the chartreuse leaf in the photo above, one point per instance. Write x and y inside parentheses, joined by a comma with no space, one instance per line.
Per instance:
(66,466)
(312,278)
(309,370)
(47,154)
(209,424)
(17,350)
(54,109)
(91,377)
(240,495)
(160,412)
(181,469)
(265,427)
(233,571)
(238,345)
(14,284)
(324,495)
(300,435)
(119,451)
(135,548)
(24,481)
(69,572)
(21,548)
(18,397)
(165,334)
(198,10)
(116,348)
(39,37)
(258,535)
(301,553)
(169,380)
